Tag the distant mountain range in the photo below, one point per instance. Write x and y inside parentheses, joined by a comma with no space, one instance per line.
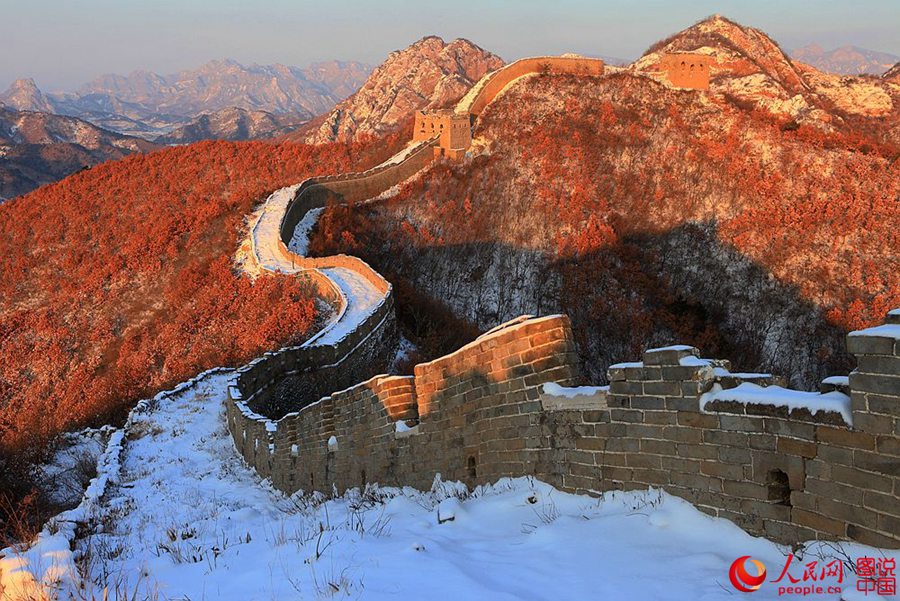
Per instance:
(232,124)
(46,136)
(39,148)
(149,105)
(846,60)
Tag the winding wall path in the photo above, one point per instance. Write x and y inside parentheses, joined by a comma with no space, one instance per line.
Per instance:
(359,338)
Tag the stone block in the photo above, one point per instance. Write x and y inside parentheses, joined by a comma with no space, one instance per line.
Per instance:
(852,514)
(845,437)
(657,447)
(818,522)
(663,388)
(722,470)
(874,423)
(881,464)
(701,451)
(696,481)
(788,534)
(793,446)
(697,420)
(626,388)
(647,402)
(878,364)
(721,437)
(670,355)
(888,385)
(870,345)
(882,503)
(682,434)
(870,537)
(682,404)
(886,405)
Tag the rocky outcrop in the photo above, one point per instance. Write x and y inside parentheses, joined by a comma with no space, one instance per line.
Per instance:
(892,75)
(24,95)
(428,74)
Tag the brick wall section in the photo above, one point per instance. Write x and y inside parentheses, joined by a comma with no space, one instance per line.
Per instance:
(481,413)
(789,475)
(317,192)
(494,83)
(293,377)
(475,416)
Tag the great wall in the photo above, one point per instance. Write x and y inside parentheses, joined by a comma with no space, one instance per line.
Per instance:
(788,465)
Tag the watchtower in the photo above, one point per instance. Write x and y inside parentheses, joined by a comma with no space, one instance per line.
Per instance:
(454,130)
(687,70)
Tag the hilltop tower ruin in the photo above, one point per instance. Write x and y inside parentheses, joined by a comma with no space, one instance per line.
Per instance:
(455,131)
(687,70)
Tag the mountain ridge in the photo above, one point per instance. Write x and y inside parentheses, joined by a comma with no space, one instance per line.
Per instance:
(39,148)
(429,73)
(845,60)
(149,105)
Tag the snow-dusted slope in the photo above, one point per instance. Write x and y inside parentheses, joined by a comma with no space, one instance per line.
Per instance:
(183,518)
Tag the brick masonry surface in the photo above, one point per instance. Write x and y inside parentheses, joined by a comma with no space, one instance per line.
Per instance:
(481,413)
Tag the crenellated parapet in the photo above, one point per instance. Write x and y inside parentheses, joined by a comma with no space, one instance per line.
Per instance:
(789,465)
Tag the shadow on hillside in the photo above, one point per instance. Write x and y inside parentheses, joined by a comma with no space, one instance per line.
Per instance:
(678,286)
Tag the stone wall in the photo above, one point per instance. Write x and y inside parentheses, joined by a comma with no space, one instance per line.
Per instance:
(454,131)
(687,70)
(491,85)
(317,192)
(293,377)
(826,466)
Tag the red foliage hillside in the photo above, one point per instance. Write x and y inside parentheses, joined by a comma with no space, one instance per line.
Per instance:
(652,215)
(118,281)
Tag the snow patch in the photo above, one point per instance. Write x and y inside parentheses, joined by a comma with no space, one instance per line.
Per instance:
(837,381)
(300,240)
(570,392)
(751,394)
(888,330)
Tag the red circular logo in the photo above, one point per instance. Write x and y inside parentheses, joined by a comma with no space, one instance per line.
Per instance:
(743,580)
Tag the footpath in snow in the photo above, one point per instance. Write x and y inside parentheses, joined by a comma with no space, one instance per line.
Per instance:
(183,517)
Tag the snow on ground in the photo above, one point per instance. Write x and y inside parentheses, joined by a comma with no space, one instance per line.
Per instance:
(405,352)
(72,465)
(362,300)
(266,232)
(300,240)
(184,518)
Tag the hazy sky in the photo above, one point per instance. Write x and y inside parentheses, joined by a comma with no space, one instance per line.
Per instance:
(61,43)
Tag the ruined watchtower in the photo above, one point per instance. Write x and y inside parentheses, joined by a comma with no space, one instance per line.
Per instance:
(687,70)
(454,130)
